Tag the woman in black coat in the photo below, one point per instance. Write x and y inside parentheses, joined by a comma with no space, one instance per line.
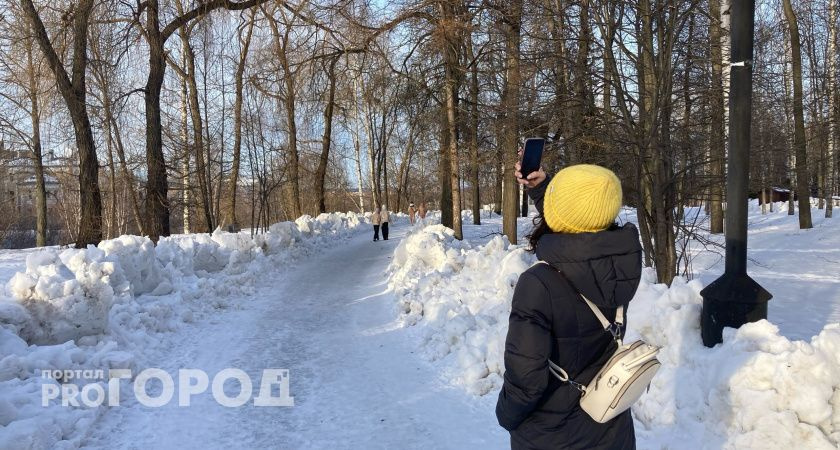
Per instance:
(586,254)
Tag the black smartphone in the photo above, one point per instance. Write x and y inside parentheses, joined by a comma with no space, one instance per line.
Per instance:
(532,156)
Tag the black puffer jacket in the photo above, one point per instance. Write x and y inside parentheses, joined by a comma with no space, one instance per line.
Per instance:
(549,320)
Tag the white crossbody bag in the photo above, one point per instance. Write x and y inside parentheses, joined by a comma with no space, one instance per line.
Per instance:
(624,377)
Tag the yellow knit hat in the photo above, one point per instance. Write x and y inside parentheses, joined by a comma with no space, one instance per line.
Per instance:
(582,199)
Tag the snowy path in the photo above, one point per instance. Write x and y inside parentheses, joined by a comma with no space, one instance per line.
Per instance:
(355,377)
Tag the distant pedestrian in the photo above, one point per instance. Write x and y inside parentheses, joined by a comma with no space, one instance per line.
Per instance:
(422,210)
(376,220)
(384,217)
(412,213)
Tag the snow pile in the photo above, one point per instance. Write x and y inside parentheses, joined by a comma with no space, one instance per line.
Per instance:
(106,307)
(462,294)
(72,293)
(756,390)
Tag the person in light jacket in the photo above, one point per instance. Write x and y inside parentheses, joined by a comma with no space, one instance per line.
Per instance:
(586,254)
(411,213)
(376,219)
(385,217)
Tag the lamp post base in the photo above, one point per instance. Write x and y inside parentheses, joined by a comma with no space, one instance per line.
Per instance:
(731,301)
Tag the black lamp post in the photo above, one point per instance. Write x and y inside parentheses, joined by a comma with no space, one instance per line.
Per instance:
(735,299)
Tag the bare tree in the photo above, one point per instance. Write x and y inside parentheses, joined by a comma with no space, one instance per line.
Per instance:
(451,43)
(157,185)
(831,86)
(326,143)
(233,182)
(802,189)
(288,97)
(717,133)
(472,128)
(73,90)
(37,151)
(511,23)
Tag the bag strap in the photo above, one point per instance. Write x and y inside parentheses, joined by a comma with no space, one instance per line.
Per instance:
(561,375)
(619,314)
(613,327)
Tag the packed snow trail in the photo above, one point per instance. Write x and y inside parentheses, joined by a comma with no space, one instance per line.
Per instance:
(354,374)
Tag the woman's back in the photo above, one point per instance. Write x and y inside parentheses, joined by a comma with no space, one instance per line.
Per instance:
(549,319)
(606,267)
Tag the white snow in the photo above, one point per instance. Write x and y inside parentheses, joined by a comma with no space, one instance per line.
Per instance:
(761,388)
(799,267)
(756,390)
(458,292)
(112,305)
(398,344)
(356,384)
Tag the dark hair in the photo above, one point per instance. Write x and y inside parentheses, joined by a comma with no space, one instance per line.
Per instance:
(541,228)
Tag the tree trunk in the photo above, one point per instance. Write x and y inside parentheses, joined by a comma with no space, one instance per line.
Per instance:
(37,157)
(450,86)
(157,202)
(657,221)
(112,229)
(802,188)
(321,172)
(405,171)
(157,187)
(373,153)
(103,74)
(230,216)
(186,194)
(511,26)
(787,105)
(498,161)
(472,131)
(198,133)
(74,92)
(357,146)
(717,144)
(445,172)
(609,39)
(580,124)
(281,44)
(383,151)
(128,177)
(828,190)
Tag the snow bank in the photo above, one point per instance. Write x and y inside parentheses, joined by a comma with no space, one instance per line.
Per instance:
(462,295)
(106,306)
(756,390)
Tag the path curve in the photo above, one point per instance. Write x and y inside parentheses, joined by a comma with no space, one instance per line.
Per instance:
(355,376)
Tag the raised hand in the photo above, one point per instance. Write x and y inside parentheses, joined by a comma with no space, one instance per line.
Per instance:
(532,180)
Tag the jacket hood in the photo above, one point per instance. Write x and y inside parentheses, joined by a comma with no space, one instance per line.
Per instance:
(605,267)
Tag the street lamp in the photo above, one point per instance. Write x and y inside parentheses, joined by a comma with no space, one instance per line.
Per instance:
(735,299)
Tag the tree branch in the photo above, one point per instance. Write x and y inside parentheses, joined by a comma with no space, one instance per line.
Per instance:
(203,9)
(43,39)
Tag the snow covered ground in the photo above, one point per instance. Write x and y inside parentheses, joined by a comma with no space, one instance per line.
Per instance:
(124,304)
(395,344)
(801,268)
(355,379)
(764,387)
